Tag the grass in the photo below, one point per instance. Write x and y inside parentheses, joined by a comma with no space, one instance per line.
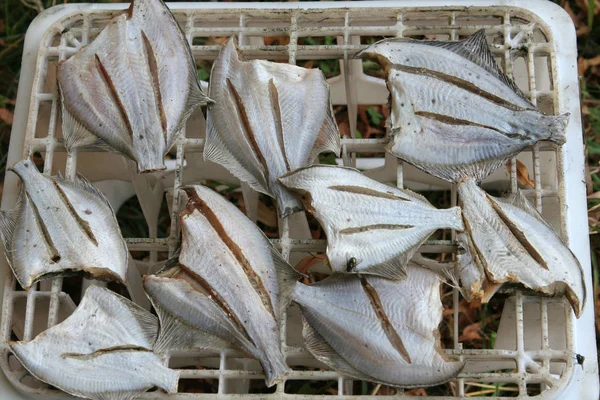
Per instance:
(16,15)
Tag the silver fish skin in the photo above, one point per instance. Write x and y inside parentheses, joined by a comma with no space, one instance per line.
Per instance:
(189,318)
(61,226)
(133,88)
(379,330)
(269,119)
(240,269)
(452,99)
(103,351)
(378,225)
(513,243)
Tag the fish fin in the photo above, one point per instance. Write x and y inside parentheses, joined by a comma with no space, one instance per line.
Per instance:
(216,151)
(78,136)
(328,140)
(80,182)
(557,128)
(287,278)
(147,321)
(475,49)
(415,195)
(175,334)
(394,269)
(8,224)
(322,351)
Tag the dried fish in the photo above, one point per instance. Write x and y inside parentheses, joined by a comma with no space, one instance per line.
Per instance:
(511,242)
(133,88)
(103,351)
(270,118)
(378,330)
(379,225)
(61,226)
(235,286)
(452,99)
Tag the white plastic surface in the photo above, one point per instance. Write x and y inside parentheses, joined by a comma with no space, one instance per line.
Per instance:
(559,176)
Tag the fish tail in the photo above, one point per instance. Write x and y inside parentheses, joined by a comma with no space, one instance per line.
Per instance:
(276,370)
(557,126)
(151,163)
(287,203)
(454,219)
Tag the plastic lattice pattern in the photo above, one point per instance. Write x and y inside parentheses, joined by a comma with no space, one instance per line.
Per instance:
(525,45)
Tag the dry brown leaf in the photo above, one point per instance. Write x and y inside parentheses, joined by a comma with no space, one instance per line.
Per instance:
(266,215)
(6,116)
(416,392)
(522,174)
(471,332)
(309,261)
(583,64)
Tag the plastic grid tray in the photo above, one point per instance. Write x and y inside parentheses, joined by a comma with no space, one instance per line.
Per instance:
(536,45)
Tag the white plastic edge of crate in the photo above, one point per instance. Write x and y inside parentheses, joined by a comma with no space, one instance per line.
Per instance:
(584,382)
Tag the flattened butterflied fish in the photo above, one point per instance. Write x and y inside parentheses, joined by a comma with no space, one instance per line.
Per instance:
(452,99)
(375,329)
(236,265)
(270,119)
(513,243)
(133,88)
(61,226)
(103,351)
(378,225)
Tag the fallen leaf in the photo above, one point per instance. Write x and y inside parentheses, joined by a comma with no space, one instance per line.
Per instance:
(416,392)
(522,174)
(471,332)
(309,261)
(6,116)
(583,64)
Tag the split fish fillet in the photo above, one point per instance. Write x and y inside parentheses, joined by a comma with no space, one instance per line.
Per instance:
(269,119)
(452,99)
(378,330)
(511,242)
(379,226)
(103,351)
(133,88)
(234,290)
(61,226)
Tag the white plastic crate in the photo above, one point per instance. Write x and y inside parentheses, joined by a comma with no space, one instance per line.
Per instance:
(534,41)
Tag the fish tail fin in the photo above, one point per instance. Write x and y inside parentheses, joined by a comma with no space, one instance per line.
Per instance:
(558,124)
(453,219)
(287,203)
(287,280)
(275,367)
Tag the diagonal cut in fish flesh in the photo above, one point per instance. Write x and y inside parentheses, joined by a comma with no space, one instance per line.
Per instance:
(379,330)
(103,351)
(59,227)
(269,119)
(235,287)
(511,242)
(379,226)
(133,88)
(452,99)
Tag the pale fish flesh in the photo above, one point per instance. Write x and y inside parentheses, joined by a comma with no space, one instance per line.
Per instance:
(229,258)
(379,226)
(513,243)
(133,88)
(269,119)
(61,226)
(378,330)
(103,351)
(452,99)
